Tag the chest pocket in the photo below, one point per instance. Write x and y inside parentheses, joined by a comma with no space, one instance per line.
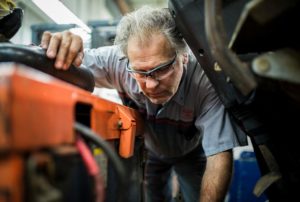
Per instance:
(166,127)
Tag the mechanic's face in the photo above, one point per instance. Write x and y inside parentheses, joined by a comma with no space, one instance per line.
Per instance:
(156,67)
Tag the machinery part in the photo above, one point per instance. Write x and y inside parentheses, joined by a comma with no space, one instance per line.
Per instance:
(23,90)
(103,32)
(273,22)
(190,19)
(268,111)
(280,65)
(35,57)
(265,182)
(237,71)
(89,135)
(93,169)
(39,185)
(55,175)
(273,176)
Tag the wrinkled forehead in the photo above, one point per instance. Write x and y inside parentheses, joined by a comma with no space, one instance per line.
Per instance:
(154,44)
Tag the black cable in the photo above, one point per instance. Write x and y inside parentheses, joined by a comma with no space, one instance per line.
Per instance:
(90,135)
(35,57)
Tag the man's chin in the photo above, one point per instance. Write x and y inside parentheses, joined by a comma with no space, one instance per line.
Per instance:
(159,101)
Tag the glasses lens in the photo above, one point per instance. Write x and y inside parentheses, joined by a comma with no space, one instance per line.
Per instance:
(163,72)
(158,73)
(139,76)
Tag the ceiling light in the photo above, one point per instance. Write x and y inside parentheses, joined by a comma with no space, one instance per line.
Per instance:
(59,13)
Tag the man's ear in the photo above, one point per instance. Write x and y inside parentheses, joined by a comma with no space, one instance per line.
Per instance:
(185,58)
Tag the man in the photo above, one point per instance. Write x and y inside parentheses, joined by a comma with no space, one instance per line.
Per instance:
(189,132)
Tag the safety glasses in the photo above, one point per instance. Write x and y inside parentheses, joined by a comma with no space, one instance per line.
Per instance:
(158,73)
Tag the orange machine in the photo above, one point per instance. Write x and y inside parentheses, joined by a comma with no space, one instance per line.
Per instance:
(38,113)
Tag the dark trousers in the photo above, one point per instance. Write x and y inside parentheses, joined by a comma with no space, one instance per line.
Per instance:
(189,170)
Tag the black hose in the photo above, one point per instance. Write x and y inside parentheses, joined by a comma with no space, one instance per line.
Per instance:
(35,57)
(89,135)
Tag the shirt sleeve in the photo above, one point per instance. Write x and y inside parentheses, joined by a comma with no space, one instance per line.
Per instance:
(219,131)
(106,64)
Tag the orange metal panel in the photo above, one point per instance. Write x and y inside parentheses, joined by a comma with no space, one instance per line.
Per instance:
(4,112)
(42,112)
(113,121)
(128,131)
(105,120)
(11,175)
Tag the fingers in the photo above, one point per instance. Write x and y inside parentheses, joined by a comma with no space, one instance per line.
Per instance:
(54,46)
(63,50)
(75,53)
(45,39)
(78,60)
(65,46)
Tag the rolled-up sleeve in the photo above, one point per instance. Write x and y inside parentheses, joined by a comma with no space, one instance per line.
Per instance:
(219,132)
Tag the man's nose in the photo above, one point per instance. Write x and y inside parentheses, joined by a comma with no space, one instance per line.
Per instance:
(151,82)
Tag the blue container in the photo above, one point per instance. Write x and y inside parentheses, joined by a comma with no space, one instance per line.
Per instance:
(246,173)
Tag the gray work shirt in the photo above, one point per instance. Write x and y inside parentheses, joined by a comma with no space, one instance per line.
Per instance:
(194,114)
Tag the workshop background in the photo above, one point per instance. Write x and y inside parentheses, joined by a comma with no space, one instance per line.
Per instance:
(95,21)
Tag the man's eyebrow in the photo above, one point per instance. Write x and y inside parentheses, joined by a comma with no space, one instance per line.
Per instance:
(161,64)
(123,58)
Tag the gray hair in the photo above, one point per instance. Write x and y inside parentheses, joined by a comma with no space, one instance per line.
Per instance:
(145,22)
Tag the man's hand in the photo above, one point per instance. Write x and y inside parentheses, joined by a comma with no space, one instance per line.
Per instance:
(65,46)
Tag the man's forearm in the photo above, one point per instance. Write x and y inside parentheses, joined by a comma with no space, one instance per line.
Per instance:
(217,177)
